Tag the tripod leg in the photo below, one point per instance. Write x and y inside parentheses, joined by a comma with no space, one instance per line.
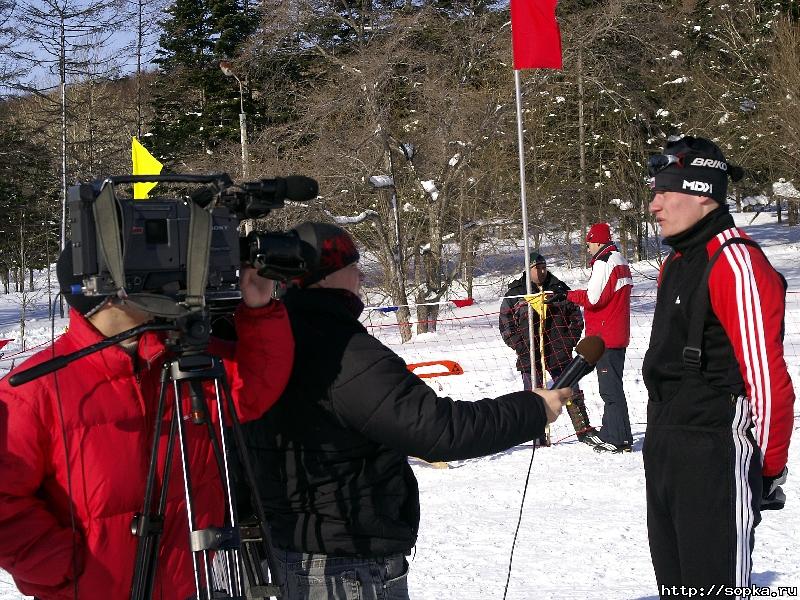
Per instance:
(231,557)
(225,564)
(148,526)
(187,490)
(251,483)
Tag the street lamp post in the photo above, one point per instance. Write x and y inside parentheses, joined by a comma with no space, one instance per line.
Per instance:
(227,69)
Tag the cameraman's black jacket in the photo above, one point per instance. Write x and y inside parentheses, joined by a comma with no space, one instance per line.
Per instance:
(331,456)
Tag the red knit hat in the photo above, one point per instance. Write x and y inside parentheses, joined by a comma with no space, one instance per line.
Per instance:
(330,247)
(599,233)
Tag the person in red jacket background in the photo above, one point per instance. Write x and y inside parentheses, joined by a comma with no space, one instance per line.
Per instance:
(606,306)
(75,447)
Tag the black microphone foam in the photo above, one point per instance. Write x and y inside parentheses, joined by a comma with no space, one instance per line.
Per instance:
(588,351)
(300,188)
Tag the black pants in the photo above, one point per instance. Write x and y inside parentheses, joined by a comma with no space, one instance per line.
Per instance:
(703,496)
(616,422)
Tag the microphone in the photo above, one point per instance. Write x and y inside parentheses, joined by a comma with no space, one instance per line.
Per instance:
(588,352)
(299,188)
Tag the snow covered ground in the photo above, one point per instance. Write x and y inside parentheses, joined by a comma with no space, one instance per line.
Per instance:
(583,532)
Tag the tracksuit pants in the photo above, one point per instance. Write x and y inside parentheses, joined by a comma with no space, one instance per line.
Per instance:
(703,472)
(616,422)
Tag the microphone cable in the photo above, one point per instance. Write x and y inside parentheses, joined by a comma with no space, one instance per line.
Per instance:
(519,519)
(72,520)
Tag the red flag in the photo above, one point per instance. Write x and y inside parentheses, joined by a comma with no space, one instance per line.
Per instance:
(535,34)
(463,303)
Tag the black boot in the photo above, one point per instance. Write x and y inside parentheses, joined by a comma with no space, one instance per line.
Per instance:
(580,421)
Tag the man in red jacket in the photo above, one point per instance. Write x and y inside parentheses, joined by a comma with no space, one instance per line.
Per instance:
(606,306)
(75,446)
(720,399)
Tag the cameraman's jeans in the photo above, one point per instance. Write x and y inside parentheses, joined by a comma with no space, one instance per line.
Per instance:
(328,577)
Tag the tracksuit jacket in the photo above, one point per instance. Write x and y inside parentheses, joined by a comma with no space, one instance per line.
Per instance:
(108,400)
(712,433)
(607,298)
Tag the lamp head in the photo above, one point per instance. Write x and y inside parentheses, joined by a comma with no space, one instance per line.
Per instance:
(227,68)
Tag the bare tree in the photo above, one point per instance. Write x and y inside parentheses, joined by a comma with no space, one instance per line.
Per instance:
(785,73)
(9,68)
(145,14)
(60,37)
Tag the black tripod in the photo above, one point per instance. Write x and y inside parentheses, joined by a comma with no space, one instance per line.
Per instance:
(226,558)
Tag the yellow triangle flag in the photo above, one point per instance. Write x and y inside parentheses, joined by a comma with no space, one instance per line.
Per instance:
(537,303)
(144,163)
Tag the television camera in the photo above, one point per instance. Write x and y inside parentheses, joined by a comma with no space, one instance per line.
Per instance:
(154,251)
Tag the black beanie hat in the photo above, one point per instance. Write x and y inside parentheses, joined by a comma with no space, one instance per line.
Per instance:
(67,279)
(701,169)
(329,247)
(536,258)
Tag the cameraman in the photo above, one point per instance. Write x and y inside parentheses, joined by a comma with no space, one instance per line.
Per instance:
(331,456)
(75,446)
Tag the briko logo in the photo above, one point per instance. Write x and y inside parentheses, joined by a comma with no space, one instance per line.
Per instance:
(698,186)
(710,163)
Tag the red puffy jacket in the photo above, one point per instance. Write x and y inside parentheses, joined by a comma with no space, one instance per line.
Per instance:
(107,402)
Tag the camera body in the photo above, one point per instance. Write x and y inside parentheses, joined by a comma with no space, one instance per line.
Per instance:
(155,235)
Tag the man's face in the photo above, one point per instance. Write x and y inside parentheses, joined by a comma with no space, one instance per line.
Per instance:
(592,248)
(675,212)
(117,316)
(348,278)
(538,273)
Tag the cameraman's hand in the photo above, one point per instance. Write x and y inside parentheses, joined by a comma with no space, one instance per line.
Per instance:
(554,401)
(256,290)
(772,496)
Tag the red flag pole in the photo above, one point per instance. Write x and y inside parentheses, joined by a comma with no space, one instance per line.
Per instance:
(524,201)
(536,44)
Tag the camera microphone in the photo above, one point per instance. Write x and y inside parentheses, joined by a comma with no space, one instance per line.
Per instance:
(263,195)
(271,193)
(588,351)
(300,188)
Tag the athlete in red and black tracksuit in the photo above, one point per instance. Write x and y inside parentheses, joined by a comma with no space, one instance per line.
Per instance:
(716,426)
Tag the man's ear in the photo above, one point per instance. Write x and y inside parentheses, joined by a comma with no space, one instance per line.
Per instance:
(707,201)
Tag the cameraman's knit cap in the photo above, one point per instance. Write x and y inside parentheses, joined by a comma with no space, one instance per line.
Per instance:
(86,305)
(331,248)
(599,233)
(703,170)
(536,258)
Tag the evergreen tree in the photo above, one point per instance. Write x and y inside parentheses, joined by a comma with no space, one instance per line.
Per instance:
(28,201)
(196,107)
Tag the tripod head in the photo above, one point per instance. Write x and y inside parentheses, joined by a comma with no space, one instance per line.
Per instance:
(188,334)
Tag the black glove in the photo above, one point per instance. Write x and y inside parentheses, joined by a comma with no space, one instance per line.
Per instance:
(555,297)
(772,496)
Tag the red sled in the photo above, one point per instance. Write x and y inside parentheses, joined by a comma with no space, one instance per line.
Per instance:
(451,368)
